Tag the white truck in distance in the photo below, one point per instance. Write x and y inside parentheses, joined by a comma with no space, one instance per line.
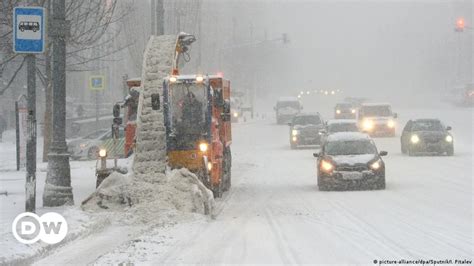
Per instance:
(287,108)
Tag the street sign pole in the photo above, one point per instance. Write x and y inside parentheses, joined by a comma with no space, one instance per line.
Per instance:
(30,188)
(28,38)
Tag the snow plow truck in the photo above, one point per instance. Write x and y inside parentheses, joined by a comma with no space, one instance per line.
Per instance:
(197,117)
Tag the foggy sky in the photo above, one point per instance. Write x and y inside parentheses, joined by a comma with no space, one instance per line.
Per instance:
(386,48)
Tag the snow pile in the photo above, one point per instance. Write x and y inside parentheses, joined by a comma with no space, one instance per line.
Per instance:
(150,152)
(142,202)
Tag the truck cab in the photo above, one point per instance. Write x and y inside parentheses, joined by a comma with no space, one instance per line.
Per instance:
(377,119)
(286,108)
(198,127)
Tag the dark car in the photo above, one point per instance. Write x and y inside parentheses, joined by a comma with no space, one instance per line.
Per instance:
(344,111)
(305,129)
(350,161)
(426,136)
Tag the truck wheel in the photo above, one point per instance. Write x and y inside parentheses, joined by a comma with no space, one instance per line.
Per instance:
(293,145)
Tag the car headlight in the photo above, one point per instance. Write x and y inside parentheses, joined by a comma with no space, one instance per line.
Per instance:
(102,153)
(414,139)
(294,132)
(338,111)
(236,114)
(449,138)
(326,166)
(353,111)
(294,138)
(203,146)
(376,165)
(391,123)
(368,124)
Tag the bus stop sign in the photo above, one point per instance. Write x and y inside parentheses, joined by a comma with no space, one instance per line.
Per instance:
(28,30)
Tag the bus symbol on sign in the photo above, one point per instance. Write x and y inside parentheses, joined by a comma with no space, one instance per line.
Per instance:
(29,25)
(28,30)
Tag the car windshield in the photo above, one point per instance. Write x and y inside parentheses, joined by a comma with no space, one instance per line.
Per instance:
(376,110)
(95,134)
(187,111)
(427,126)
(291,104)
(307,120)
(351,147)
(343,127)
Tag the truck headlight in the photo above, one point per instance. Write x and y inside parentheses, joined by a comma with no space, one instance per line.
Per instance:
(102,153)
(353,111)
(368,124)
(294,132)
(236,114)
(203,146)
(338,111)
(391,123)
(449,138)
(326,166)
(376,165)
(414,139)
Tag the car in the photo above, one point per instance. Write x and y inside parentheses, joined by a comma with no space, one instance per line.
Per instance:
(88,147)
(426,136)
(344,111)
(350,161)
(339,125)
(305,129)
(377,119)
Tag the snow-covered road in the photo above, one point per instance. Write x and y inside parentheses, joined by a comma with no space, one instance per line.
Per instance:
(275,213)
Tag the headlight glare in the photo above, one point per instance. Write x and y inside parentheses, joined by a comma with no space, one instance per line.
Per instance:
(338,111)
(391,123)
(414,139)
(353,111)
(203,147)
(368,124)
(102,153)
(449,138)
(326,166)
(376,165)
(294,132)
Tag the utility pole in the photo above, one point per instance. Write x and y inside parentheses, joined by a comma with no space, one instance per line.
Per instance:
(160,18)
(58,190)
(153,17)
(30,187)
(48,91)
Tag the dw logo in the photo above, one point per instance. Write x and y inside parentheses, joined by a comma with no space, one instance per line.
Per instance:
(50,228)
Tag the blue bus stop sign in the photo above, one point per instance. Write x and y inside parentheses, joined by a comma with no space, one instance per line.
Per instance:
(28,30)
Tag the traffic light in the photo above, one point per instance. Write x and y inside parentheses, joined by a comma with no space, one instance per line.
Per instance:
(460,24)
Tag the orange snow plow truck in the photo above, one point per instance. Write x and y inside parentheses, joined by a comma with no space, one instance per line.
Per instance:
(198,127)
